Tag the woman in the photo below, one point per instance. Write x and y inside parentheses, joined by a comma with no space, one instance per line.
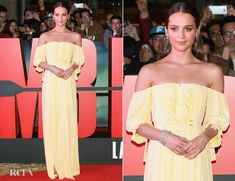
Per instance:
(11,29)
(60,56)
(179,107)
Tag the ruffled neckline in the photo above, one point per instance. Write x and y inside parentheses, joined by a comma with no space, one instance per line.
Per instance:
(177,84)
(58,42)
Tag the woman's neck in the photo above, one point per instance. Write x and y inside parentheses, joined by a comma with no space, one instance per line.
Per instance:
(181,57)
(60,29)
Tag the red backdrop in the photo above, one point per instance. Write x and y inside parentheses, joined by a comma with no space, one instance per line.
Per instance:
(17,112)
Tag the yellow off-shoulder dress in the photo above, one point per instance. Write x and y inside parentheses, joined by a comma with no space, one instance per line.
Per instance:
(185,109)
(59,108)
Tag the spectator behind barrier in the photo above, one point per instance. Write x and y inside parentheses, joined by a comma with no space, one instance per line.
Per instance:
(213,29)
(3,17)
(107,20)
(145,21)
(159,44)
(228,33)
(91,29)
(31,30)
(77,20)
(11,29)
(114,30)
(49,22)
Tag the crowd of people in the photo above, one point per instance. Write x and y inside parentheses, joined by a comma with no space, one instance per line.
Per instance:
(148,42)
(81,20)
(143,44)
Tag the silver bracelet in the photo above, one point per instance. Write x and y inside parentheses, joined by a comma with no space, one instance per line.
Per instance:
(163,137)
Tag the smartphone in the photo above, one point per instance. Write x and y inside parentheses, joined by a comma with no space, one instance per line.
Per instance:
(218,10)
(78,5)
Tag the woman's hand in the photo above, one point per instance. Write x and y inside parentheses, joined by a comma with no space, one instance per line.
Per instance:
(64,74)
(176,143)
(83,26)
(131,31)
(68,72)
(228,51)
(57,71)
(196,146)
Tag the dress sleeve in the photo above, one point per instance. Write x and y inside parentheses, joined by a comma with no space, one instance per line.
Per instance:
(39,56)
(139,112)
(78,58)
(217,115)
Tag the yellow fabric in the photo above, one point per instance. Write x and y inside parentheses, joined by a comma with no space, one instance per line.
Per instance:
(139,112)
(217,115)
(179,108)
(61,54)
(39,57)
(59,109)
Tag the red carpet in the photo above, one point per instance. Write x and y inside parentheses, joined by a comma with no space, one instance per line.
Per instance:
(88,173)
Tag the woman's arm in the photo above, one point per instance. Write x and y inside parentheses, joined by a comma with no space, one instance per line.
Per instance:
(55,70)
(68,72)
(197,145)
(173,142)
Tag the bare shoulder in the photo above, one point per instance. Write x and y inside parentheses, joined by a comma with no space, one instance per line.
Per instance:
(43,38)
(145,76)
(77,38)
(212,70)
(148,67)
(215,76)
(75,35)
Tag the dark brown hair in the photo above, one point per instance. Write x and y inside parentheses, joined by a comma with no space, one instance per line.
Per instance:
(184,7)
(61,4)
